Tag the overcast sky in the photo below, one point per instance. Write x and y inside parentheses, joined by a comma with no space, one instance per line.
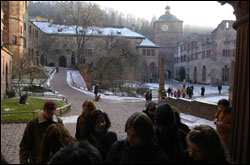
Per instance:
(201,13)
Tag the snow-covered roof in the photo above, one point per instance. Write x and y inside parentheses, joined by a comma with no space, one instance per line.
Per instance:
(147,43)
(93,31)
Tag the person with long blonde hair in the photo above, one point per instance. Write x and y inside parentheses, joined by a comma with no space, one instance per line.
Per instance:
(87,107)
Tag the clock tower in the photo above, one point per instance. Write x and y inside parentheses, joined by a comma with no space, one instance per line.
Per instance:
(168,33)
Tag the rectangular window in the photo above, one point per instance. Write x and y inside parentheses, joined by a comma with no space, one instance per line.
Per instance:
(13,39)
(208,53)
(29,30)
(148,52)
(24,43)
(203,54)
(153,52)
(144,52)
(24,26)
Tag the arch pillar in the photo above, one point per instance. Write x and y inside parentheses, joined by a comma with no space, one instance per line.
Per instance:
(239,139)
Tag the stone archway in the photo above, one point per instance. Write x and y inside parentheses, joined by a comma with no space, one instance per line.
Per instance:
(62,61)
(195,74)
(239,139)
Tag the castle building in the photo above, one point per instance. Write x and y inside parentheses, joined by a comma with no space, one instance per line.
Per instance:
(168,33)
(30,36)
(6,64)
(63,50)
(207,59)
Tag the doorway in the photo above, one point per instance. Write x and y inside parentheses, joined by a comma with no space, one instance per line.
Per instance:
(62,61)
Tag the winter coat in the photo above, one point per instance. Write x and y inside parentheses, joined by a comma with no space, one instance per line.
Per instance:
(79,130)
(173,143)
(32,137)
(150,153)
(103,142)
(179,93)
(224,131)
(148,96)
(96,90)
(186,159)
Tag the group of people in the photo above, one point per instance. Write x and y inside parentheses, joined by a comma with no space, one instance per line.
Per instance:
(155,135)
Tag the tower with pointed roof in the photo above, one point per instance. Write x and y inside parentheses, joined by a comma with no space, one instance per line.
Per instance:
(168,33)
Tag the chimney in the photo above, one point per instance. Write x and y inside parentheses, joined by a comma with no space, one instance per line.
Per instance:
(50,22)
(133,27)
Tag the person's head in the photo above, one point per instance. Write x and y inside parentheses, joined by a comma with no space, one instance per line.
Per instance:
(223,104)
(151,107)
(49,109)
(164,118)
(97,122)
(54,138)
(81,152)
(139,128)
(87,107)
(205,145)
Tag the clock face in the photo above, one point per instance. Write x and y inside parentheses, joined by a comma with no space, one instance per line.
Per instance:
(164,28)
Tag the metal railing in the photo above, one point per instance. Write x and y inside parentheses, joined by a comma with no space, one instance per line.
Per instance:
(60,110)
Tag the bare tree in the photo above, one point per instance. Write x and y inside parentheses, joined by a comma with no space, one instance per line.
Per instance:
(23,66)
(84,16)
(117,59)
(45,45)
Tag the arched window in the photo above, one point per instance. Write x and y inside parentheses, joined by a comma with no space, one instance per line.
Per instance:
(204,73)
(73,60)
(195,74)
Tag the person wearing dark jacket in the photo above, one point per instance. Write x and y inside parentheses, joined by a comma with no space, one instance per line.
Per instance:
(180,125)
(97,133)
(202,91)
(96,91)
(170,137)
(87,107)
(150,110)
(33,133)
(139,146)
(148,97)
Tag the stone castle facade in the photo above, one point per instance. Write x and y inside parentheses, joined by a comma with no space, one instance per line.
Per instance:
(21,36)
(168,33)
(207,59)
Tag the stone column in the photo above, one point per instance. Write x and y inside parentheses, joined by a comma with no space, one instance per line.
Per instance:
(239,139)
(162,80)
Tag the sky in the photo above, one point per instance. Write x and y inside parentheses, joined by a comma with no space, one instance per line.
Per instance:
(198,13)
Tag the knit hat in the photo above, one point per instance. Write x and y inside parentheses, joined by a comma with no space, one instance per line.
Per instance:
(164,115)
(50,107)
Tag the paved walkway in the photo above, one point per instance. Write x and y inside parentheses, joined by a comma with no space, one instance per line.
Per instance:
(118,112)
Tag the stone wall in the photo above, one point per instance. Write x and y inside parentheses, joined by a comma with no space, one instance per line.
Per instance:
(195,108)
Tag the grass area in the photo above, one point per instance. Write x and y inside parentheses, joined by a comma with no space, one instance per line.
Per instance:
(32,104)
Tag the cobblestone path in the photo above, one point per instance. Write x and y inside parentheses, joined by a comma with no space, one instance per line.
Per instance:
(117,111)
